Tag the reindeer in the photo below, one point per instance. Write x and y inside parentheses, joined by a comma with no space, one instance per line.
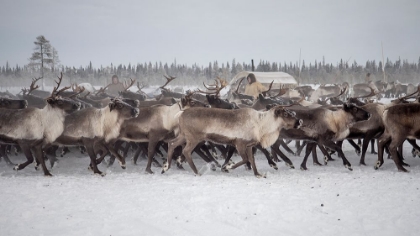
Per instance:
(154,124)
(6,103)
(91,125)
(401,122)
(324,127)
(33,128)
(128,94)
(242,128)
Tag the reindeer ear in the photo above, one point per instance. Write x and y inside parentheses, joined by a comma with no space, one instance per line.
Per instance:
(346,106)
(111,106)
(50,101)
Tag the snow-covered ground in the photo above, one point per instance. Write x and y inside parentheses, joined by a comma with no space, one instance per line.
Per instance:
(325,200)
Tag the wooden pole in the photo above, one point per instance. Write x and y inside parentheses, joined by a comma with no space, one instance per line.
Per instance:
(383,62)
(300,54)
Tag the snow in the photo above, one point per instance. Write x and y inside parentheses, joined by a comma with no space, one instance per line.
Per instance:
(325,200)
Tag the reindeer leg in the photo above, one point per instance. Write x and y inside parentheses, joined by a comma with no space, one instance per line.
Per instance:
(210,156)
(330,144)
(327,156)
(286,160)
(267,155)
(251,159)
(150,154)
(89,144)
(3,153)
(179,140)
(395,143)
(369,137)
(26,149)
(315,156)
(37,147)
(305,158)
(187,153)
(355,146)
(284,145)
(115,153)
(372,146)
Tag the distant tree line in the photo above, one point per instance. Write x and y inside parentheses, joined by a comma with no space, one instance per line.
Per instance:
(150,73)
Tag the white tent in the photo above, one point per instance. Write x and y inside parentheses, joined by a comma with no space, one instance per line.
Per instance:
(266,78)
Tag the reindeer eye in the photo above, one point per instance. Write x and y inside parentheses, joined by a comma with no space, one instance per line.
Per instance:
(120,105)
(59,102)
(193,103)
(355,109)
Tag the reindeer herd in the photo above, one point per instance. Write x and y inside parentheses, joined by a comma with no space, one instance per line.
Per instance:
(39,123)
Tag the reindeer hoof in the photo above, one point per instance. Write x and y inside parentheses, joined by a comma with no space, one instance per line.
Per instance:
(362,163)
(405,164)
(291,166)
(348,167)
(260,176)
(149,171)
(378,164)
(212,167)
(402,169)
(274,166)
(303,168)
(317,164)
(123,166)
(325,160)
(48,174)
(16,168)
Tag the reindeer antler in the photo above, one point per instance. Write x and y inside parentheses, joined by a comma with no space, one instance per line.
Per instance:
(75,95)
(140,86)
(218,86)
(408,96)
(269,88)
(342,91)
(237,89)
(55,92)
(168,79)
(102,90)
(282,91)
(130,84)
(85,97)
(372,93)
(32,87)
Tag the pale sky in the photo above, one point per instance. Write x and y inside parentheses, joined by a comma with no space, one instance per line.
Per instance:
(122,32)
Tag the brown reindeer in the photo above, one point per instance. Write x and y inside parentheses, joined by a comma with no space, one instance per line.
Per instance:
(242,128)
(401,122)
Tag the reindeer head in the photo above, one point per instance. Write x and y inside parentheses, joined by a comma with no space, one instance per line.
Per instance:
(287,116)
(356,113)
(56,101)
(123,109)
(188,101)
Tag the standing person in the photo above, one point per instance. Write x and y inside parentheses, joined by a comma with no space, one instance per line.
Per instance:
(115,87)
(253,88)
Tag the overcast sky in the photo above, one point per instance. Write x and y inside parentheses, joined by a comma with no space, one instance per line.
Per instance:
(190,31)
